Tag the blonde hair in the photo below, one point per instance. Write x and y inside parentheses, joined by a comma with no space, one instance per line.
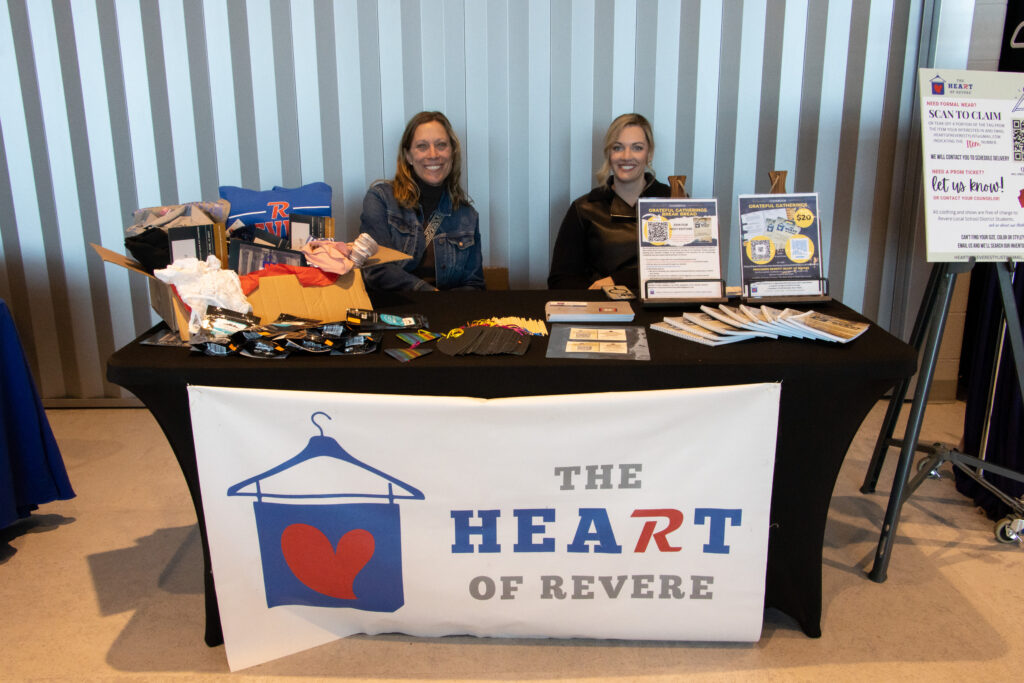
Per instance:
(612,136)
(407,192)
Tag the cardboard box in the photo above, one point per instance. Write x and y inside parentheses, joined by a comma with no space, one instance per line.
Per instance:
(275,295)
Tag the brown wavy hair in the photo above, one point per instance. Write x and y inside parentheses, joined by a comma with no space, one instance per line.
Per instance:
(407,192)
(613,135)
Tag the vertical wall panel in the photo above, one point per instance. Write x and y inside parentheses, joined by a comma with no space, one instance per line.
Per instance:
(140,119)
(119,104)
(645,55)
(392,94)
(202,97)
(725,138)
(412,49)
(768,114)
(538,147)
(682,161)
(245,109)
(846,160)
(104,201)
(581,103)
(222,94)
(497,243)
(308,108)
(454,48)
(604,63)
(476,145)
(282,91)
(744,166)
(180,106)
(350,114)
(705,130)
(831,98)
(666,77)
(901,86)
(870,126)
(21,229)
(790,89)
(35,209)
(624,30)
(264,105)
(559,122)
(127,199)
(152,49)
(325,117)
(79,218)
(520,233)
(430,55)
(810,95)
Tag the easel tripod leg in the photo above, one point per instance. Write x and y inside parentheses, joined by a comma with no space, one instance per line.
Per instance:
(913,430)
(892,413)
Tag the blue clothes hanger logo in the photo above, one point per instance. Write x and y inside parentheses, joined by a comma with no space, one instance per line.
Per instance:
(330,555)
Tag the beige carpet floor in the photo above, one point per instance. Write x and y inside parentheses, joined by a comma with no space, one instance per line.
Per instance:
(108,586)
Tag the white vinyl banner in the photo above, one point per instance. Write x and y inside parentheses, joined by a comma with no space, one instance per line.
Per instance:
(639,515)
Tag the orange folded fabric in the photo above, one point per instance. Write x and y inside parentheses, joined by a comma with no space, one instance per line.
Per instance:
(308,276)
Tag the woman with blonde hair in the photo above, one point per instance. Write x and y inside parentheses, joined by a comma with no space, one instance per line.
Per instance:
(597,241)
(424,212)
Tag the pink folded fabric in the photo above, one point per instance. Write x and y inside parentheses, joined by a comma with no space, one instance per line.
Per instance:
(328,255)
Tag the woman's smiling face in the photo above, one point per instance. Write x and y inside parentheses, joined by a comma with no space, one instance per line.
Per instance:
(430,153)
(630,155)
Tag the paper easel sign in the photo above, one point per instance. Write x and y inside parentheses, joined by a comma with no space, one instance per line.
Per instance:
(972,142)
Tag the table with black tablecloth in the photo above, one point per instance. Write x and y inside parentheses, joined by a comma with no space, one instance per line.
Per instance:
(827,390)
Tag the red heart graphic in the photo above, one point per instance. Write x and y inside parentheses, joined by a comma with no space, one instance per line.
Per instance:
(319,566)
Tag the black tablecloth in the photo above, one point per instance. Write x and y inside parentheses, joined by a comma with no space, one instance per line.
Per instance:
(827,390)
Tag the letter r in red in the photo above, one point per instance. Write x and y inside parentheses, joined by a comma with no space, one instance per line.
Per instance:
(278,210)
(675,520)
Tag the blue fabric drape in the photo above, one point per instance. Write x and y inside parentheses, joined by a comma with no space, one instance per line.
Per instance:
(31,468)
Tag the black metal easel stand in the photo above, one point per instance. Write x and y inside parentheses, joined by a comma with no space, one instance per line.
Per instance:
(928,328)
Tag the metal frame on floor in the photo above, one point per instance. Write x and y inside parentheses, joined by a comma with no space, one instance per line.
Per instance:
(928,328)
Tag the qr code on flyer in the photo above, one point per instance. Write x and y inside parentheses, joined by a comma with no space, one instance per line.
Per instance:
(658,231)
(1018,139)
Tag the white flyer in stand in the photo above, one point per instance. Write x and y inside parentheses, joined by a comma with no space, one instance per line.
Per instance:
(678,248)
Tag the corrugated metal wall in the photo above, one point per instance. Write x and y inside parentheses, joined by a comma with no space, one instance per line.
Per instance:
(109,105)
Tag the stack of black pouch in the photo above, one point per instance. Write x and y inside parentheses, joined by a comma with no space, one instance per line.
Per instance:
(484,340)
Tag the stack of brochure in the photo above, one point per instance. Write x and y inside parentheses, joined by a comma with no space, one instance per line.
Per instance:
(728,324)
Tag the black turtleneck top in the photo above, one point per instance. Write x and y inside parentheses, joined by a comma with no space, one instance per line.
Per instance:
(430,197)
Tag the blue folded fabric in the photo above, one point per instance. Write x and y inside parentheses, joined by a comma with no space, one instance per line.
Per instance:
(269,209)
(31,468)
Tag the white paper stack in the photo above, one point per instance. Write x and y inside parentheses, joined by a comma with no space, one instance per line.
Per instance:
(728,324)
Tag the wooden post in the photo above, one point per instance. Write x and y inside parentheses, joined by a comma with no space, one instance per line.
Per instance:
(778,180)
(678,185)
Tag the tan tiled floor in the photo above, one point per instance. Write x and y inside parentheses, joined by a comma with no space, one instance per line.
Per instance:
(108,585)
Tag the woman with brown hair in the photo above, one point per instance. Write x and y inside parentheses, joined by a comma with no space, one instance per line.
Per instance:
(424,212)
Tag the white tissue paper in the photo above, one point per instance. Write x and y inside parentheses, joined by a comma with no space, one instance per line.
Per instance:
(201,284)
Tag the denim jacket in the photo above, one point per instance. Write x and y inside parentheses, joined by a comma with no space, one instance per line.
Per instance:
(457,256)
